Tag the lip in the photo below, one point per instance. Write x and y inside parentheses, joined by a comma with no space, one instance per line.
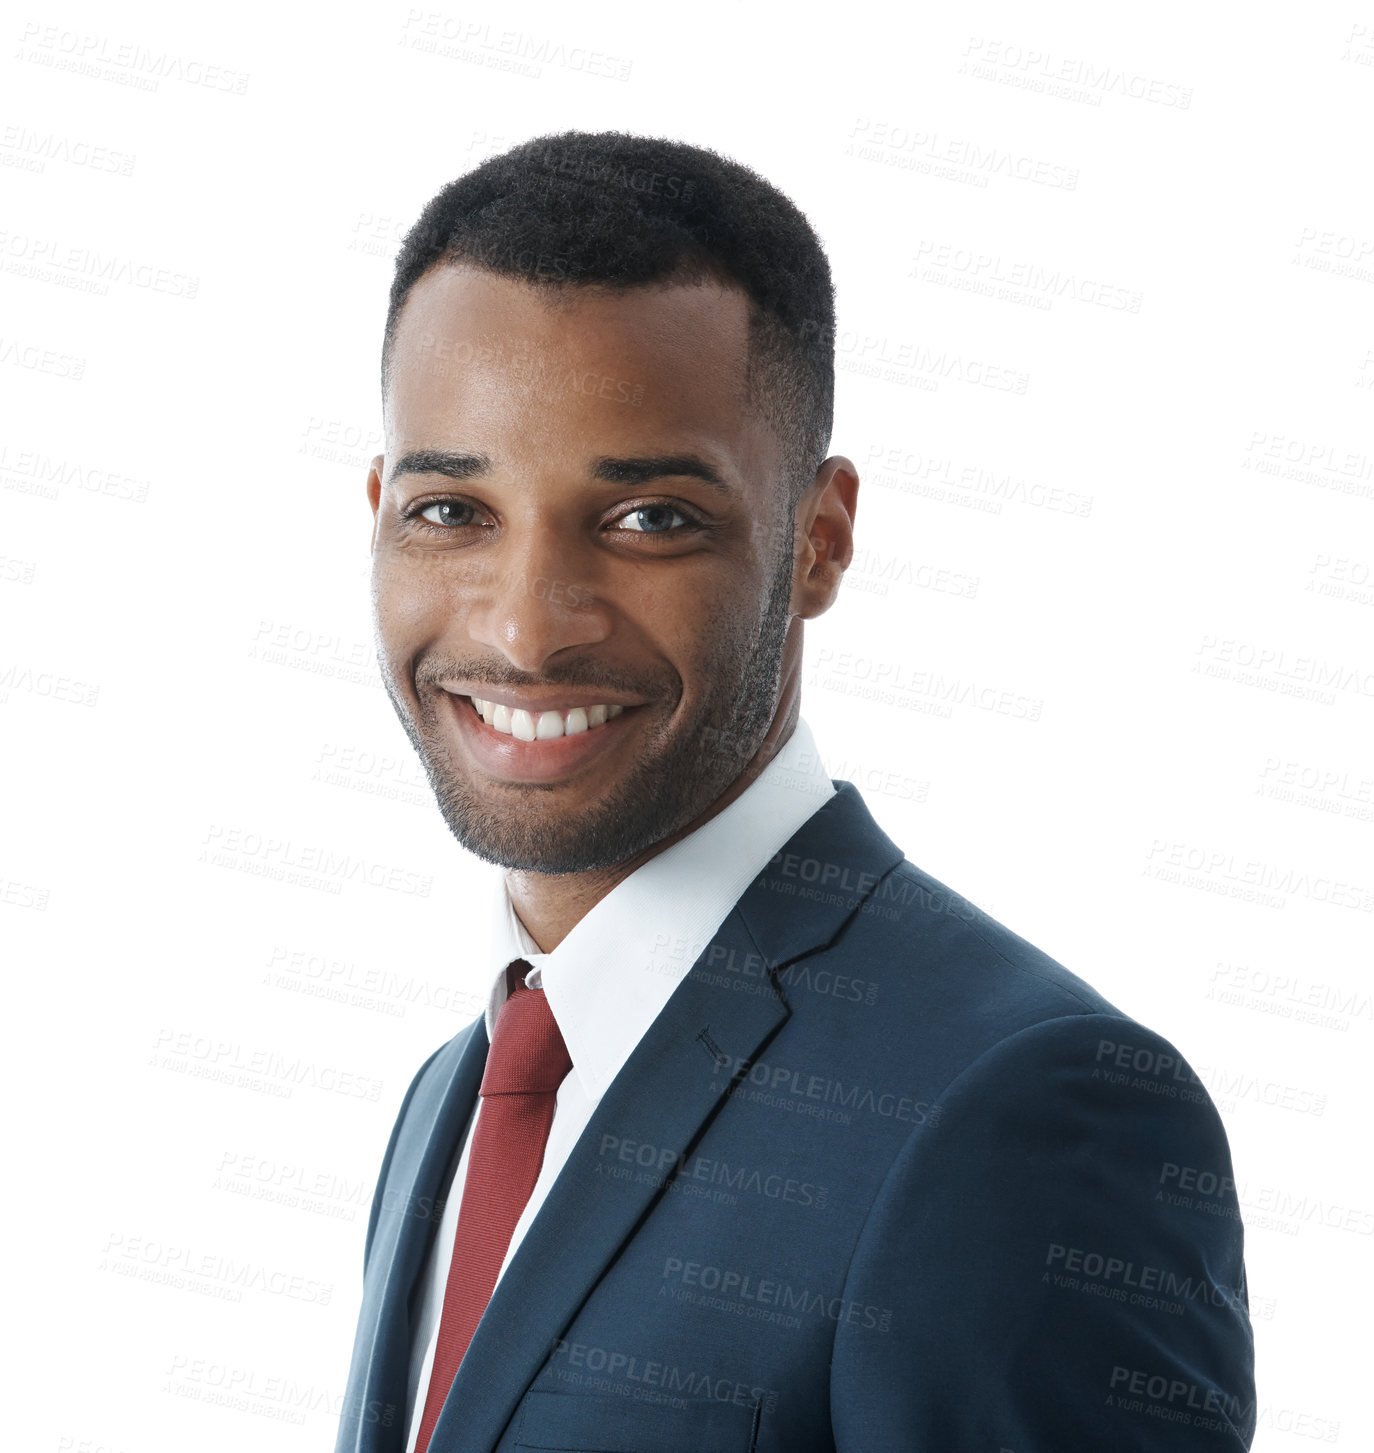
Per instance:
(511,760)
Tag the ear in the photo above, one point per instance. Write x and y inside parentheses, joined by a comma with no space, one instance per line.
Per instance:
(374,494)
(823,544)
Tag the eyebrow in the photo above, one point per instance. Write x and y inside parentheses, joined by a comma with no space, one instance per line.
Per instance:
(659,466)
(441,461)
(640,469)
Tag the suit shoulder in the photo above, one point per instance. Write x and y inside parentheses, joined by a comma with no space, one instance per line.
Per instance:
(947,941)
(952,983)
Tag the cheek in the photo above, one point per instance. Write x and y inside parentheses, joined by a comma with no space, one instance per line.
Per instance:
(412,601)
(708,640)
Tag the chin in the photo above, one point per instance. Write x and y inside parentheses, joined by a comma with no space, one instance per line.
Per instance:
(595,840)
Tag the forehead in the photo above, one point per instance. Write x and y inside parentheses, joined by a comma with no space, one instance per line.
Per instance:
(475,350)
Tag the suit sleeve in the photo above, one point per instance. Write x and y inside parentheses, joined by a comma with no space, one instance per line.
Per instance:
(1054,1262)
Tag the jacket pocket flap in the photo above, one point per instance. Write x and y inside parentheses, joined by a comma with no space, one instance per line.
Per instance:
(563,1422)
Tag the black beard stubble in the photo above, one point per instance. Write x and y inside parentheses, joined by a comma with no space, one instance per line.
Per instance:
(672,780)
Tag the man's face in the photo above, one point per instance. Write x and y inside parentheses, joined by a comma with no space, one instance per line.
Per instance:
(542,544)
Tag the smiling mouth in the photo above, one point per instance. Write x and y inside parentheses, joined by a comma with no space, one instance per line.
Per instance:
(542,726)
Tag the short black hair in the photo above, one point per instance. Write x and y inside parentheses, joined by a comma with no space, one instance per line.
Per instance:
(619,210)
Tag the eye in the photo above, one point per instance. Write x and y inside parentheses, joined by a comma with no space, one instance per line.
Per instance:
(444,513)
(654,519)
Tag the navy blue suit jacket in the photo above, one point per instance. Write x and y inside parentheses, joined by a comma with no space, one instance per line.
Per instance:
(882,1178)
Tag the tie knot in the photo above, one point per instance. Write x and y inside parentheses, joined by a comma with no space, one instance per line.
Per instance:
(527,1055)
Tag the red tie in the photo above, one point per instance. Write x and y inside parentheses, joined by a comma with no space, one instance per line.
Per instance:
(525,1065)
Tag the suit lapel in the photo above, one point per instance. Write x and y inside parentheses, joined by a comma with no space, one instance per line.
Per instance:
(824,874)
(669,1090)
(406,1227)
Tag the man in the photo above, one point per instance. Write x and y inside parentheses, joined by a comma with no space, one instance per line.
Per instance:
(767,1140)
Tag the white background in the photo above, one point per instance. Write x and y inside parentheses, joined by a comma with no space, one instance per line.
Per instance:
(1106,364)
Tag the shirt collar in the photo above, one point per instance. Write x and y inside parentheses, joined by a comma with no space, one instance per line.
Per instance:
(611,976)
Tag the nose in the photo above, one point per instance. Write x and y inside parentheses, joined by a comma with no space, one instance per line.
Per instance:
(533,601)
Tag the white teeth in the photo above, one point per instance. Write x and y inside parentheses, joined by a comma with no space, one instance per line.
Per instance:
(546,725)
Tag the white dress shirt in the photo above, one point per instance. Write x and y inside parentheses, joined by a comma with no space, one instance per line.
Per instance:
(608,980)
